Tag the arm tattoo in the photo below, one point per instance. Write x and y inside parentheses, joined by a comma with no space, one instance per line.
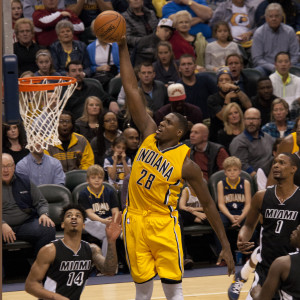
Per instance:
(107,265)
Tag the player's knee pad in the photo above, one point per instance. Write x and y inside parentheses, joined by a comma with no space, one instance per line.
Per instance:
(173,291)
(144,290)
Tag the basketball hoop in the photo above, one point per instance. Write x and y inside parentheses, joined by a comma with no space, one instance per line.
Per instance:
(42,100)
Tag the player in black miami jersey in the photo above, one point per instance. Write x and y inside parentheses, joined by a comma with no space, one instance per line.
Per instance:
(64,265)
(284,275)
(279,206)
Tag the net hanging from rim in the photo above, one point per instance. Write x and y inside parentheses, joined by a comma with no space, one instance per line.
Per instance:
(41,102)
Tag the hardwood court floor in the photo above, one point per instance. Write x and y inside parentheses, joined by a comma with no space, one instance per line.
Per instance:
(202,288)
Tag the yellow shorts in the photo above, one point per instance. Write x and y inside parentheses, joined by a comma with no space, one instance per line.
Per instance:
(153,245)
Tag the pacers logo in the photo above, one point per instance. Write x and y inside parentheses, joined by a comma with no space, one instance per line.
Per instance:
(239,19)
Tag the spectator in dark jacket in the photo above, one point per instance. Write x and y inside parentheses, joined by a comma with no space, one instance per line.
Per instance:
(140,21)
(25,48)
(66,49)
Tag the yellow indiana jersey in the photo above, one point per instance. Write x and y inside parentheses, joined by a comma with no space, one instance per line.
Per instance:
(156,177)
(295,146)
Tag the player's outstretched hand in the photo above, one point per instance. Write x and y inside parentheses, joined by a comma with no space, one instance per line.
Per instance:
(122,42)
(227,256)
(113,229)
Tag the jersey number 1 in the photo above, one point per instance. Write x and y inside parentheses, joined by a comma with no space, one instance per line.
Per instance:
(279,226)
(148,182)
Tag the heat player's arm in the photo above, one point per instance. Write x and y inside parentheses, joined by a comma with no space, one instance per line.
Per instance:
(33,284)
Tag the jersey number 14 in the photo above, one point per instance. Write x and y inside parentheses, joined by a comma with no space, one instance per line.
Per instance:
(75,279)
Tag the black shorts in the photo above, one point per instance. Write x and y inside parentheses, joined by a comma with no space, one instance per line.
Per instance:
(261,274)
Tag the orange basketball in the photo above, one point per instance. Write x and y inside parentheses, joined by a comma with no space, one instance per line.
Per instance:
(110,26)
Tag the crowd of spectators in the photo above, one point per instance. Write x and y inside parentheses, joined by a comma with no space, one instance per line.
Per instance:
(198,60)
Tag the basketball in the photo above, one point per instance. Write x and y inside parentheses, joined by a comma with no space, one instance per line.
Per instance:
(110,26)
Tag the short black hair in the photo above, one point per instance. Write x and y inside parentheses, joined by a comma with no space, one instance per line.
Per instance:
(72,206)
(183,123)
(67,112)
(282,53)
(293,158)
(263,79)
(73,62)
(145,64)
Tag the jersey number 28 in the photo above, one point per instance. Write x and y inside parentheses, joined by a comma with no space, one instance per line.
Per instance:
(149,180)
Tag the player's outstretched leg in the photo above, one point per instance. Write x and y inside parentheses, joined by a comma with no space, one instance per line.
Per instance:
(242,276)
(173,291)
(144,290)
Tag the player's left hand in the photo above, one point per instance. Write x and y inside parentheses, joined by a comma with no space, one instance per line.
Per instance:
(46,221)
(113,229)
(227,256)
(255,291)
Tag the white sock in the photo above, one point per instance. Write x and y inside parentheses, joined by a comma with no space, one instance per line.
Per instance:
(173,291)
(254,256)
(144,290)
(247,269)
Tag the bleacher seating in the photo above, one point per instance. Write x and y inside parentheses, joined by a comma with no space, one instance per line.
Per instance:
(74,178)
(57,196)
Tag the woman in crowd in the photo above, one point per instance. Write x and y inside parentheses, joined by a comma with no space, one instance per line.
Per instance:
(165,66)
(280,125)
(14,141)
(185,43)
(107,132)
(233,124)
(105,62)
(45,64)
(88,124)
(67,49)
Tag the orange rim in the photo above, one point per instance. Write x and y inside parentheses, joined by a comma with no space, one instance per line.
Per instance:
(32,84)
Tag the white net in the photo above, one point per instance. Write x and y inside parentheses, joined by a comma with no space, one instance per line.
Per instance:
(40,110)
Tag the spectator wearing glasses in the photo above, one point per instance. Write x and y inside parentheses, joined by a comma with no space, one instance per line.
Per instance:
(253,147)
(24,209)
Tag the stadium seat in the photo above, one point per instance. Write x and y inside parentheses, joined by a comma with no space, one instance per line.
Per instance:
(74,178)
(77,190)
(57,196)
(114,87)
(252,76)
(295,71)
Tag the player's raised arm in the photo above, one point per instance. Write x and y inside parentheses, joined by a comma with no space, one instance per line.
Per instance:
(134,97)
(108,265)
(33,284)
(192,173)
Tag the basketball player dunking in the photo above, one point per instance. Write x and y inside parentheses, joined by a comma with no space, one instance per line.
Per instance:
(150,221)
(279,206)
(64,265)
